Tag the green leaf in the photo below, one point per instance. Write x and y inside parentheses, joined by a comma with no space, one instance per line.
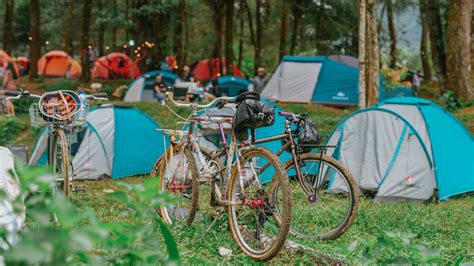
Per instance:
(170,242)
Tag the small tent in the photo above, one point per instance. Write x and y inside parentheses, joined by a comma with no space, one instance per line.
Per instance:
(116,142)
(406,147)
(207,69)
(232,85)
(4,59)
(141,89)
(115,65)
(331,80)
(56,64)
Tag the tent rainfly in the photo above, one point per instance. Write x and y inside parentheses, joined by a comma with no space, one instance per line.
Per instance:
(232,85)
(116,142)
(330,80)
(406,148)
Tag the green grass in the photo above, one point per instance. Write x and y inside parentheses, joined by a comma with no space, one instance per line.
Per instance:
(446,225)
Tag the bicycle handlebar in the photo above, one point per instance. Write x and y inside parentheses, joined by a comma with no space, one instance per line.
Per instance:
(169,96)
(98,96)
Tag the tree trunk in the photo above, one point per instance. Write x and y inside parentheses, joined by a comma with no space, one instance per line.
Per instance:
(424,45)
(114,28)
(217,10)
(180,36)
(373,80)
(8,26)
(229,31)
(35,42)
(297,14)
(241,35)
(68,42)
(127,27)
(392,33)
(362,49)
(258,37)
(101,32)
(85,63)
(319,36)
(283,28)
(437,41)
(368,54)
(458,44)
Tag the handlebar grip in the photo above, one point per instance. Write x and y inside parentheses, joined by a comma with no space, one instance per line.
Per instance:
(285,114)
(100,95)
(11,93)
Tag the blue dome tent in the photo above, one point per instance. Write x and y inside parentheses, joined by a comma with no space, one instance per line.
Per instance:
(406,147)
(232,85)
(141,89)
(116,142)
(331,80)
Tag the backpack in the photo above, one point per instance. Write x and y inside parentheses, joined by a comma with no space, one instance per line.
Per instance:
(251,114)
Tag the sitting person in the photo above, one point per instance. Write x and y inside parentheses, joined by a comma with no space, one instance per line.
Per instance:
(195,92)
(213,91)
(160,88)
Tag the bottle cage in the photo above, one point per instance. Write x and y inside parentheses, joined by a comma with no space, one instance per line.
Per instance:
(59,105)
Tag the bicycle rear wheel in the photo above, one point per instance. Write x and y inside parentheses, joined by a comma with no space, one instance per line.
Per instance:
(251,212)
(178,176)
(60,164)
(325,201)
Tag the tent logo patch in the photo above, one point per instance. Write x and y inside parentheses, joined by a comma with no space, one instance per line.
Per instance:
(409,183)
(340,96)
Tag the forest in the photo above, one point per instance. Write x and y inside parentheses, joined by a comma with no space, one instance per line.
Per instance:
(427,36)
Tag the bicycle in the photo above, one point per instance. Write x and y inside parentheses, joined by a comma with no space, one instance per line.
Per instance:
(319,212)
(238,186)
(61,111)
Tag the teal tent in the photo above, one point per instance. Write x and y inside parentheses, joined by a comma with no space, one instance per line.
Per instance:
(232,85)
(406,147)
(142,88)
(331,80)
(116,142)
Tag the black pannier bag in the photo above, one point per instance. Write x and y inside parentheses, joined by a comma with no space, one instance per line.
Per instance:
(308,133)
(251,113)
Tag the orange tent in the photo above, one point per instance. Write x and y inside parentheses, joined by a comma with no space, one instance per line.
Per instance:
(115,65)
(4,58)
(56,63)
(210,68)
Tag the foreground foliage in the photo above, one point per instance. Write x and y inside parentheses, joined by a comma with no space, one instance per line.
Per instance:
(81,236)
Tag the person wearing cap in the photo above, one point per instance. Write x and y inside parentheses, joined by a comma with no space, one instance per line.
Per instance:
(260,81)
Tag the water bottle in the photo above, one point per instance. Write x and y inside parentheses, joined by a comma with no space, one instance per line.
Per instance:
(83,109)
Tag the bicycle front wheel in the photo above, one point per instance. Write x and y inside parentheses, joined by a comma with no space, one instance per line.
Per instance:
(178,176)
(325,197)
(60,164)
(252,211)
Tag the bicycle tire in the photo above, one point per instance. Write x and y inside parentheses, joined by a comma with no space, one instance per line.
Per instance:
(280,177)
(60,157)
(159,170)
(353,191)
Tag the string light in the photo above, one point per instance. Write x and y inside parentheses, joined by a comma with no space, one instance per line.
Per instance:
(30,38)
(107,48)
(46,42)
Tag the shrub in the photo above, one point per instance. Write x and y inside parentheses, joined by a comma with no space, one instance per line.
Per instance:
(452,103)
(10,127)
(61,84)
(80,237)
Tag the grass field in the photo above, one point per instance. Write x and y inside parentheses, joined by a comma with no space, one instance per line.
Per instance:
(385,232)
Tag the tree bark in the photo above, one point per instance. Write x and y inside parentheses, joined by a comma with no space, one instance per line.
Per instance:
(258,37)
(217,10)
(127,27)
(229,32)
(101,32)
(392,33)
(180,36)
(114,28)
(437,41)
(8,26)
(283,28)
(458,65)
(319,36)
(368,54)
(424,45)
(85,63)
(297,14)
(35,42)
(241,34)
(68,42)
(362,49)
